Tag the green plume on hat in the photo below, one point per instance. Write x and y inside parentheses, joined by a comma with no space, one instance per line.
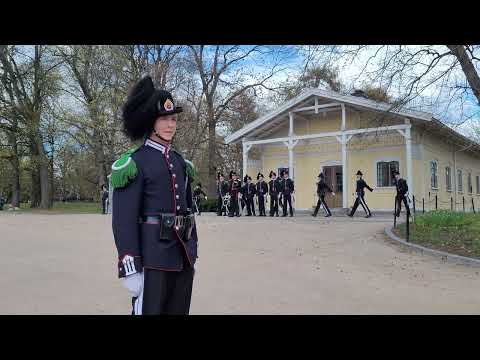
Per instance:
(191,171)
(124,169)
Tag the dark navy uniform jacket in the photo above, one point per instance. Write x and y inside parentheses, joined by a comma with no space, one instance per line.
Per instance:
(161,186)
(323,188)
(402,187)
(273,187)
(361,185)
(249,191)
(222,188)
(286,186)
(262,188)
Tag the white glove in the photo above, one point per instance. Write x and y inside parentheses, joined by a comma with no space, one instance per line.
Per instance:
(333,193)
(134,283)
(206,198)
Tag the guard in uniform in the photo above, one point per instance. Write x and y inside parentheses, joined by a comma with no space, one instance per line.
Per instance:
(104,199)
(248,193)
(197,197)
(235,187)
(402,190)
(222,191)
(153,226)
(287,189)
(262,191)
(360,193)
(322,189)
(273,189)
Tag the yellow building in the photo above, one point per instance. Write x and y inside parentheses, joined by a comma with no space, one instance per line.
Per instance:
(322,130)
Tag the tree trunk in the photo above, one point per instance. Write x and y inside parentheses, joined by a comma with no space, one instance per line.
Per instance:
(212,146)
(468,68)
(43,170)
(35,188)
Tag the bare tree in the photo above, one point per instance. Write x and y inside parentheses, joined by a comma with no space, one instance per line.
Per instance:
(223,77)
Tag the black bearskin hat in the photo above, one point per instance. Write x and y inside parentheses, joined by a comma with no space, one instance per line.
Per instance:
(230,176)
(395,172)
(143,106)
(359,173)
(283,172)
(258,176)
(199,185)
(219,174)
(246,178)
(321,175)
(272,173)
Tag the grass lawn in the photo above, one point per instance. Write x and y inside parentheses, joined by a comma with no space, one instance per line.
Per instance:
(74,207)
(454,232)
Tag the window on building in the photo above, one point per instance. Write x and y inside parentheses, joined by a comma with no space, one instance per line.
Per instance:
(434,174)
(385,173)
(448,178)
(469,183)
(478,184)
(460,180)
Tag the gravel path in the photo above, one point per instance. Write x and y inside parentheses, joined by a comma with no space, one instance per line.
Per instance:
(66,264)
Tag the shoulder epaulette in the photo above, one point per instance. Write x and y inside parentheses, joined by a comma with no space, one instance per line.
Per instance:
(124,170)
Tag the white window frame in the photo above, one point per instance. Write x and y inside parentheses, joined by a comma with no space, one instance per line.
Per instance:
(469,183)
(385,159)
(449,188)
(459,181)
(431,174)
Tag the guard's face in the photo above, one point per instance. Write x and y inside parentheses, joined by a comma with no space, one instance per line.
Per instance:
(260,178)
(359,177)
(397,176)
(285,176)
(221,178)
(166,126)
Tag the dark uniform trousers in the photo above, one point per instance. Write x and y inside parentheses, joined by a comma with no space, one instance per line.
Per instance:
(261,204)
(234,209)
(250,205)
(321,201)
(287,198)
(360,200)
(273,204)
(399,199)
(167,292)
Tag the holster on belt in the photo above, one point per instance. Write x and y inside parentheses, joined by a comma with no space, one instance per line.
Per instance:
(169,223)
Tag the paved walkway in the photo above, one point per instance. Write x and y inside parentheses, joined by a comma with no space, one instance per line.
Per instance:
(65,264)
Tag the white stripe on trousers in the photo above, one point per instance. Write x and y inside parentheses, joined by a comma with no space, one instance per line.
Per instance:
(364,205)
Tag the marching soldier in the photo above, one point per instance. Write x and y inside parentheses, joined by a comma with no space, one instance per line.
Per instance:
(360,193)
(322,189)
(222,190)
(262,191)
(104,199)
(248,193)
(273,189)
(287,189)
(234,189)
(402,190)
(154,229)
(197,197)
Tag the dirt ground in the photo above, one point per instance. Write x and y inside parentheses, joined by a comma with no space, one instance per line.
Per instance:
(66,264)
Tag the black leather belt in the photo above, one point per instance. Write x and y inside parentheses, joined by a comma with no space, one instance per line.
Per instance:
(182,224)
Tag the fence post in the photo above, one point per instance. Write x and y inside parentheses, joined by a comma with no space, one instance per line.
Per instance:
(473,206)
(395,214)
(413,205)
(423,205)
(408,227)
(436,202)
(451,203)
(463,200)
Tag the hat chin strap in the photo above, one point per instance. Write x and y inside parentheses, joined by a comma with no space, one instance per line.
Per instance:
(161,138)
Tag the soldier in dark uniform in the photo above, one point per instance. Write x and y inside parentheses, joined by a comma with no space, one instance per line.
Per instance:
(360,192)
(153,227)
(248,193)
(222,190)
(197,197)
(262,191)
(235,187)
(104,199)
(402,190)
(322,189)
(287,189)
(273,189)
